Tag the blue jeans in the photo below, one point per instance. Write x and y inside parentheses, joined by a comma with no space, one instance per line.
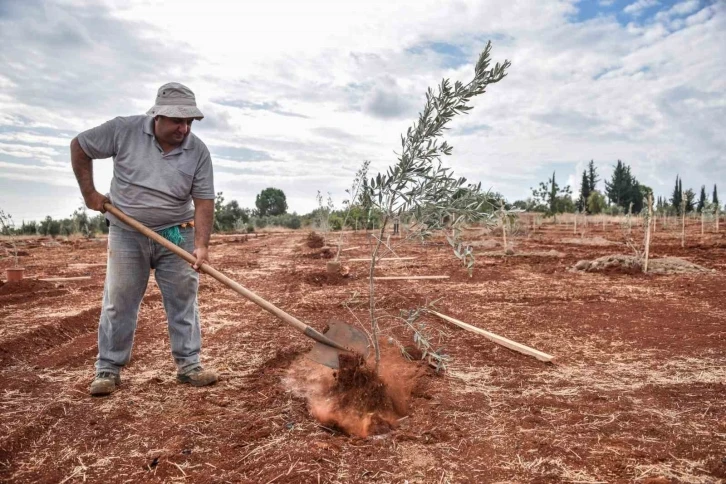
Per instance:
(131,256)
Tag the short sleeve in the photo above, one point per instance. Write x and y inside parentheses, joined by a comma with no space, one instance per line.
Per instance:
(100,142)
(203,183)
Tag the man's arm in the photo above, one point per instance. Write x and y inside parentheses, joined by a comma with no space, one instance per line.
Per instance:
(83,169)
(203,220)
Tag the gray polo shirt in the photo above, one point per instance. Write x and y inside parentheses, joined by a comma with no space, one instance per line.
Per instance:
(153,187)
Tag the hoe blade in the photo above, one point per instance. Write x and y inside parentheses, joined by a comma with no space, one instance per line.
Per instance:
(344,334)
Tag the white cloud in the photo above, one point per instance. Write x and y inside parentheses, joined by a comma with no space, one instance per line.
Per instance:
(298,94)
(637,7)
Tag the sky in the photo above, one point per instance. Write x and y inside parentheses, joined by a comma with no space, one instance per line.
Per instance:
(297,94)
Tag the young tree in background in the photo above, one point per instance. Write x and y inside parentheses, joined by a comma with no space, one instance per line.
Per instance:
(550,194)
(690,200)
(596,203)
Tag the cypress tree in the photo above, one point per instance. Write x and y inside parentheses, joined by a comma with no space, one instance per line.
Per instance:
(677,195)
(584,192)
(592,177)
(702,199)
(615,188)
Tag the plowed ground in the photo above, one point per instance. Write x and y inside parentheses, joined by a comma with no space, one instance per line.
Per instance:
(636,391)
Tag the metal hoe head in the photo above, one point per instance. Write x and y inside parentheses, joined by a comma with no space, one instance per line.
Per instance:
(355,340)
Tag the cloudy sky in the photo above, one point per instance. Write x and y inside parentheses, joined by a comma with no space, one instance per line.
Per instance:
(298,93)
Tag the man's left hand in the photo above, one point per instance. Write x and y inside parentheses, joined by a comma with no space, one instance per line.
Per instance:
(202,255)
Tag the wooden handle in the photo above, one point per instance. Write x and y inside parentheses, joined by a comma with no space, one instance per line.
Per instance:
(236,287)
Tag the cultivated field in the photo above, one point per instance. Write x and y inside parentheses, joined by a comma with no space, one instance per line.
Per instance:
(636,391)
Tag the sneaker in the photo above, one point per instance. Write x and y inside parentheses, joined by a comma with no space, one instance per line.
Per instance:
(105,383)
(198,377)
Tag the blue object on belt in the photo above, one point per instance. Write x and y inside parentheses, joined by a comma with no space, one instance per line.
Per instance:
(173,235)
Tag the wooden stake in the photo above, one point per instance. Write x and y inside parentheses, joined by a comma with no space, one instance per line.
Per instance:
(683,222)
(82,265)
(407,278)
(717,215)
(508,343)
(61,279)
(382,258)
(647,233)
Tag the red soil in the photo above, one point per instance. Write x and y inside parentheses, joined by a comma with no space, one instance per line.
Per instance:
(636,390)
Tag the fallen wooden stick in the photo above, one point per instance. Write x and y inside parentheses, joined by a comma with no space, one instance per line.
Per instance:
(82,265)
(512,345)
(350,248)
(61,279)
(382,258)
(407,278)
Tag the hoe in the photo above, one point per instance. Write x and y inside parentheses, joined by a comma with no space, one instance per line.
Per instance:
(339,337)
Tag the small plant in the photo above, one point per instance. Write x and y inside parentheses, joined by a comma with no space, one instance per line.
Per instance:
(420,185)
(7,227)
(322,217)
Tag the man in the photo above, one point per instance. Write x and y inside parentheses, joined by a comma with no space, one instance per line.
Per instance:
(159,168)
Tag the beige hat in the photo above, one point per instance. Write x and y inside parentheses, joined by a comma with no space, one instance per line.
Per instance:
(175,100)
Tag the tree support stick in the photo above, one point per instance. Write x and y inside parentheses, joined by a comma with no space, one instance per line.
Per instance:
(647,233)
(407,278)
(508,343)
(62,279)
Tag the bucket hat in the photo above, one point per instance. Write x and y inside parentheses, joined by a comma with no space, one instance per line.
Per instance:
(175,100)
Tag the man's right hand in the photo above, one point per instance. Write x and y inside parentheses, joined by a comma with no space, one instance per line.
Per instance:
(95,201)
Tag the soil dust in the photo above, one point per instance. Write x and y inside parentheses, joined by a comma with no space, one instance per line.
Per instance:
(354,399)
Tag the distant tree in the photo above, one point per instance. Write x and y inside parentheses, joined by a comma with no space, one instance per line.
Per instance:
(29,228)
(596,202)
(50,227)
(677,195)
(584,193)
(690,200)
(702,200)
(556,199)
(520,204)
(230,215)
(592,176)
(271,201)
(624,189)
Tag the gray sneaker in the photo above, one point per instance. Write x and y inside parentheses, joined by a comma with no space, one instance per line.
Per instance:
(105,383)
(198,377)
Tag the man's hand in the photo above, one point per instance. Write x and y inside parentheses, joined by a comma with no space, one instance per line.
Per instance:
(95,201)
(202,255)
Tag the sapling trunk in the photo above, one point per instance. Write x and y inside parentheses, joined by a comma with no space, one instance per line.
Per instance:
(575,230)
(702,221)
(372,292)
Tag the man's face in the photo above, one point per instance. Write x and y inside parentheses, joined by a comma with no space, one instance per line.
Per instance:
(172,130)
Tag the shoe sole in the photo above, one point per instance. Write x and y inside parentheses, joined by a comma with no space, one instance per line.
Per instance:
(196,383)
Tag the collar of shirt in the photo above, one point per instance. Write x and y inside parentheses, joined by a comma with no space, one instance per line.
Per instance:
(149,130)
